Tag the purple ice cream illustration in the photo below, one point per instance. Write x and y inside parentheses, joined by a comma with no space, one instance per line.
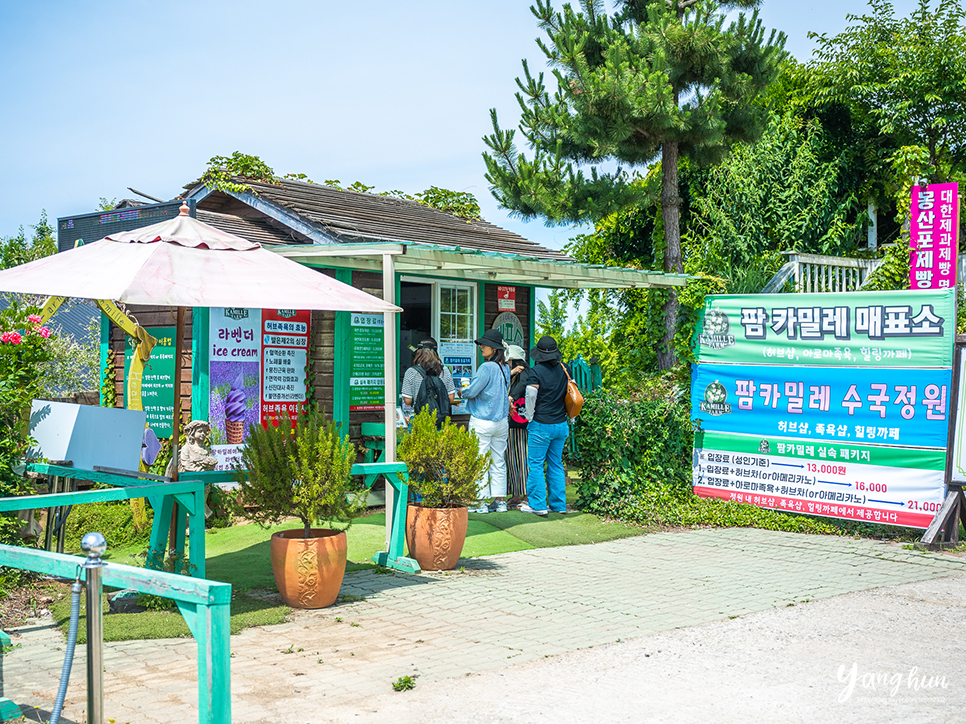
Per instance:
(235,412)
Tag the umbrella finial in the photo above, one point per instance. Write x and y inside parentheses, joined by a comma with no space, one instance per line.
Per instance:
(184,210)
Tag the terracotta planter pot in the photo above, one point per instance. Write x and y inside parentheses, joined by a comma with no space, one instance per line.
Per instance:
(435,536)
(308,571)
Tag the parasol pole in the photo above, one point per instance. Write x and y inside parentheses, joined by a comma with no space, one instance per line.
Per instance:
(389,368)
(176,428)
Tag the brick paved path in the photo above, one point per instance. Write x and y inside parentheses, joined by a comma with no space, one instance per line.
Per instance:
(497,611)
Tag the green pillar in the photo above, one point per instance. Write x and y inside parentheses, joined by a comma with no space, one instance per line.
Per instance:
(200,383)
(341,353)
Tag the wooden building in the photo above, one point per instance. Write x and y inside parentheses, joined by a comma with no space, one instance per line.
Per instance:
(453,277)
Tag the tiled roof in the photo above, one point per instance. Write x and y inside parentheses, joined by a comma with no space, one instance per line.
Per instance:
(258,230)
(352,217)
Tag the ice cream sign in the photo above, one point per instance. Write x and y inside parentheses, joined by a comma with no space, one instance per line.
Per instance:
(257,375)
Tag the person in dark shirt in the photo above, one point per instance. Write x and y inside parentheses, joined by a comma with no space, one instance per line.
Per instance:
(547,431)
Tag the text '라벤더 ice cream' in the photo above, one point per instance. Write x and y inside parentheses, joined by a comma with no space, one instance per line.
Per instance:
(235,412)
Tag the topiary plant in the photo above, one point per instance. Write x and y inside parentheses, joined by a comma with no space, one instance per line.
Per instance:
(303,471)
(445,465)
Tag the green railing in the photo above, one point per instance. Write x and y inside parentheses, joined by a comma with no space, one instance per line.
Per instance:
(189,495)
(205,606)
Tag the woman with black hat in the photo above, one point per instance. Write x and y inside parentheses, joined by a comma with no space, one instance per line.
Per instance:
(547,431)
(488,402)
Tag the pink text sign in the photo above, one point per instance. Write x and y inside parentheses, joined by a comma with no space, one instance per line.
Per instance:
(933,236)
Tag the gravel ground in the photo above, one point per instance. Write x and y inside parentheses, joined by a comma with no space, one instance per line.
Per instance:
(887,655)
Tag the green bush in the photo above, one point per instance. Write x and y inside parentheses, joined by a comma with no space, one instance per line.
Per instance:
(445,465)
(115,520)
(631,441)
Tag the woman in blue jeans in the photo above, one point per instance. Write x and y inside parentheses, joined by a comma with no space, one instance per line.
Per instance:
(547,431)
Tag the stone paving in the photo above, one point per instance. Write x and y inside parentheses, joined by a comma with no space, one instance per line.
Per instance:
(493,612)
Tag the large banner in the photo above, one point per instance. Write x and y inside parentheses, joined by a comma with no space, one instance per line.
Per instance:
(857,329)
(933,236)
(829,404)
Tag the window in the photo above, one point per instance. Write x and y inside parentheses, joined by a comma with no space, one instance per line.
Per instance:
(456,314)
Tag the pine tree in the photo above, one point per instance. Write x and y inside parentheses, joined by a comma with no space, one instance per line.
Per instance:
(657,77)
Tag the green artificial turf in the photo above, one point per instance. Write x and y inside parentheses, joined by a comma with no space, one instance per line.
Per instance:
(239,555)
(246,611)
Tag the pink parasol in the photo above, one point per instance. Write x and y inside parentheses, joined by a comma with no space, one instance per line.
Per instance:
(186,263)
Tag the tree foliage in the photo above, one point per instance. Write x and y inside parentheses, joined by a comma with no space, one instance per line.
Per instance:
(657,76)
(907,76)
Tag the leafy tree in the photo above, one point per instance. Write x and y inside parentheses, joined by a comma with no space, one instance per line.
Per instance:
(16,250)
(657,77)
(906,76)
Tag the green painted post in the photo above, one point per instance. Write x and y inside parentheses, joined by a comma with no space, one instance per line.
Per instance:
(158,544)
(480,308)
(200,385)
(196,535)
(533,318)
(341,362)
(8,710)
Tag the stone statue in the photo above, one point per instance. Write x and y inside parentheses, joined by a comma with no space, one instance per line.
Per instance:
(194,457)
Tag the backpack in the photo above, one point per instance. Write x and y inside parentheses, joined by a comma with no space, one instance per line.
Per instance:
(432,393)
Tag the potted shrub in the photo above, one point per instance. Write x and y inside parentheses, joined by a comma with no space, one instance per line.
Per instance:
(444,470)
(302,471)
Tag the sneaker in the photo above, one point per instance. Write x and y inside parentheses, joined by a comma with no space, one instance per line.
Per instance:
(500,506)
(481,508)
(524,508)
(562,512)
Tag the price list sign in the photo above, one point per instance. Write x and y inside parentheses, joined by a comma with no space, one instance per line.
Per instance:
(285,344)
(367,384)
(827,404)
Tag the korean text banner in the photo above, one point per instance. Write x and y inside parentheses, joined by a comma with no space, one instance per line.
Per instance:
(933,236)
(839,480)
(862,329)
(905,407)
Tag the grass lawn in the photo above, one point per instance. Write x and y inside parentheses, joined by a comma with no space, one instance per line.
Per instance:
(239,555)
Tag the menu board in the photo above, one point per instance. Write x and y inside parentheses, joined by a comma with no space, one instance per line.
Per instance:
(285,345)
(256,373)
(367,384)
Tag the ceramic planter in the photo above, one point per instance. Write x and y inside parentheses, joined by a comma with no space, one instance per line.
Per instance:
(308,571)
(435,536)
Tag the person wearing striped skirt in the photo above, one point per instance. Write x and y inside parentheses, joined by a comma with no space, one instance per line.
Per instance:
(516,450)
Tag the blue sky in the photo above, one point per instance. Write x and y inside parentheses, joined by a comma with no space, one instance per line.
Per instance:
(99,96)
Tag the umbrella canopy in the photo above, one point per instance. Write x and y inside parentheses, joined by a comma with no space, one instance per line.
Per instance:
(183,262)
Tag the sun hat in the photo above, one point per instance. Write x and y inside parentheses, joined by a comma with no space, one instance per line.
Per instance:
(515,351)
(546,351)
(492,338)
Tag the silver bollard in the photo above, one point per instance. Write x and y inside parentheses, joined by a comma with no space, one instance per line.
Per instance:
(94,545)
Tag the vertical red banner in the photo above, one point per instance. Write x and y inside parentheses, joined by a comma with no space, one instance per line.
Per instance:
(285,345)
(933,236)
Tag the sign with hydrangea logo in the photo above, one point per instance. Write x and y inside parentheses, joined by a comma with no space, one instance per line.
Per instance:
(830,404)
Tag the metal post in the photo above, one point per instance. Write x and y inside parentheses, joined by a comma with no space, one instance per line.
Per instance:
(389,362)
(94,545)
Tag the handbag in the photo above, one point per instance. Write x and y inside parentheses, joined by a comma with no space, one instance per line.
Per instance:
(573,400)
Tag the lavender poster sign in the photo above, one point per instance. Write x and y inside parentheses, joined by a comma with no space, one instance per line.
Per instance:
(234,379)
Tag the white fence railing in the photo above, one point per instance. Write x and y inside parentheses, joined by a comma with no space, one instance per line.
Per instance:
(817,273)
